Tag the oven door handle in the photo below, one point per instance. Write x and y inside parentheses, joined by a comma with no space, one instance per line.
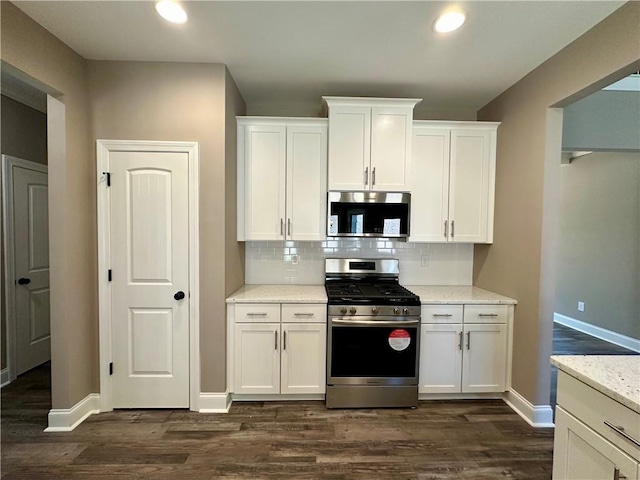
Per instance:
(379,323)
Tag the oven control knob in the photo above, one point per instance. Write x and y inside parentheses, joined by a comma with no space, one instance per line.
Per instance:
(405,311)
(396,311)
(352,310)
(375,310)
(343,310)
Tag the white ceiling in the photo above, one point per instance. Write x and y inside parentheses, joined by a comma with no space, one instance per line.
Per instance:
(293,52)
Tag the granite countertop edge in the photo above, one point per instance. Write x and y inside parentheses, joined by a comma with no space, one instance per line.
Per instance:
(604,377)
(458,294)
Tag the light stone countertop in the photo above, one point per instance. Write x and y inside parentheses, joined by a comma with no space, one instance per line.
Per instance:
(458,294)
(617,376)
(279,294)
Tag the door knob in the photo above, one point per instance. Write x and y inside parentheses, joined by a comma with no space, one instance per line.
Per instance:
(24,281)
(179,295)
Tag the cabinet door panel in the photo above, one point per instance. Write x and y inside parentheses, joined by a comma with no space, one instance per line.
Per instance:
(304,358)
(440,358)
(257,358)
(469,185)
(485,358)
(265,154)
(430,189)
(349,147)
(581,454)
(306,182)
(391,136)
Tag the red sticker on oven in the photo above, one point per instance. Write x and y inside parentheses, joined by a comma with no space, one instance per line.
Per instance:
(399,339)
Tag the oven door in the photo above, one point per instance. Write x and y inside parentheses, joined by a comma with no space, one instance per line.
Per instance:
(372,351)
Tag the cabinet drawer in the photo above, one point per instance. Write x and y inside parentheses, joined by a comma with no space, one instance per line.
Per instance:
(304,313)
(257,313)
(594,409)
(485,313)
(442,313)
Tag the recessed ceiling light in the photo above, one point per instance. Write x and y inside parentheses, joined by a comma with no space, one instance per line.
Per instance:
(171,11)
(449,21)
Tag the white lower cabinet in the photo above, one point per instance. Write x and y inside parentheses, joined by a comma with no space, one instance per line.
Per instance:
(278,358)
(464,357)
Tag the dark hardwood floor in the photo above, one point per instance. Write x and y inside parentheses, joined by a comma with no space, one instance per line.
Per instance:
(567,341)
(480,440)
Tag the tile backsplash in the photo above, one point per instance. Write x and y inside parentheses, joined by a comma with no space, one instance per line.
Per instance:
(273,262)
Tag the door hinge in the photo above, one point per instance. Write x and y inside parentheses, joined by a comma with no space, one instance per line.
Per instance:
(110,275)
(108,174)
(111,368)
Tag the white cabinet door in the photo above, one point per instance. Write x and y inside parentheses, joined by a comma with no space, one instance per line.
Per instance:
(579,453)
(430,188)
(484,358)
(303,358)
(440,358)
(257,358)
(265,155)
(391,135)
(349,147)
(469,185)
(306,182)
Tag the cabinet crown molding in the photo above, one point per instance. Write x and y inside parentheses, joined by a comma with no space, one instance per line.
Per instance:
(467,124)
(243,120)
(371,101)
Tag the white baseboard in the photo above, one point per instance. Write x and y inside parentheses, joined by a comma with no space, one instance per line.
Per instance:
(214,402)
(539,416)
(66,419)
(4,378)
(598,332)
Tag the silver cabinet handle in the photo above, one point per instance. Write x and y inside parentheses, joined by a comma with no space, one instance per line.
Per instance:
(460,342)
(487,314)
(284,340)
(452,228)
(446,229)
(620,431)
(304,314)
(373,176)
(289,226)
(617,475)
(252,314)
(276,344)
(442,315)
(468,340)
(281,226)
(366,176)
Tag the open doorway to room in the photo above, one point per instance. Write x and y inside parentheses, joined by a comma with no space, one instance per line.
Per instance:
(25,351)
(597,307)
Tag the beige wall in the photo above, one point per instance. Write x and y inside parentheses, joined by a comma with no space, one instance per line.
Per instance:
(23,135)
(520,263)
(184,102)
(599,241)
(46,61)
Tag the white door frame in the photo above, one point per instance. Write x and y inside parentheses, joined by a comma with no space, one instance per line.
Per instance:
(104,147)
(8,162)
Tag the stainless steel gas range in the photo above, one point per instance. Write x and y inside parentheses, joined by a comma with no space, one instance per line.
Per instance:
(373,335)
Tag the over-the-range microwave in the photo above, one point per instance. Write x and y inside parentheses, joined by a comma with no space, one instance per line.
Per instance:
(368,214)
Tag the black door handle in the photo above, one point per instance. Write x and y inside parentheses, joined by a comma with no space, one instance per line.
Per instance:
(179,295)
(24,281)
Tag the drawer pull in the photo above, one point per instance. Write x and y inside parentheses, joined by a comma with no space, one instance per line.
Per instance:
(620,431)
(442,315)
(617,476)
(252,314)
(488,315)
(304,314)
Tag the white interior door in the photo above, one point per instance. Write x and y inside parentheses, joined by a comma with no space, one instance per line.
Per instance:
(149,247)
(28,223)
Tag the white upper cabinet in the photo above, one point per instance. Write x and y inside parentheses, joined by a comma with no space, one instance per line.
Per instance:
(370,143)
(453,188)
(282,178)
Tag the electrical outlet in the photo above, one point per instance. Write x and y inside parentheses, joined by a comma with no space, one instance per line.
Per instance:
(294,259)
(424,261)
(581,306)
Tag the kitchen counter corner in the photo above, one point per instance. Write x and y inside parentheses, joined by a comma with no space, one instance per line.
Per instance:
(279,294)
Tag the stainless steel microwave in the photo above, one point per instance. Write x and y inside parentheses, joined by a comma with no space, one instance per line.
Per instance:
(368,214)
